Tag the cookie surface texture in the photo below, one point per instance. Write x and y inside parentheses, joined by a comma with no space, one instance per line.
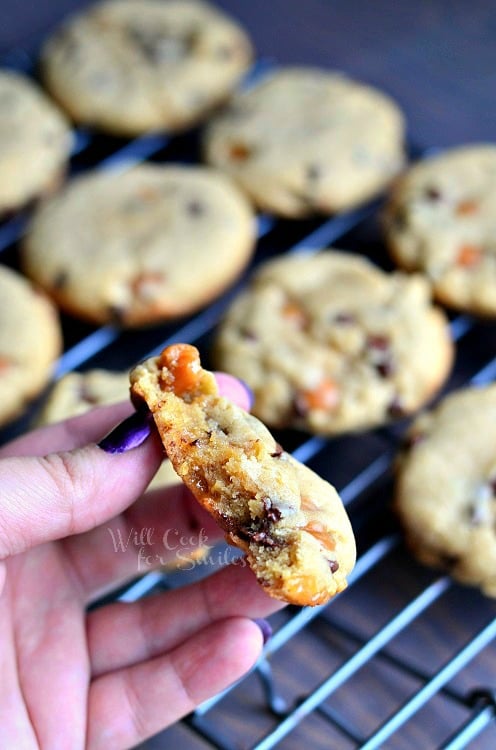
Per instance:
(290,523)
(35,142)
(440,221)
(130,67)
(308,141)
(30,342)
(330,343)
(153,243)
(446,487)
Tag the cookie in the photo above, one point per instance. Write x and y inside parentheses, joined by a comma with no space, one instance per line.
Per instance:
(128,68)
(446,487)
(330,343)
(440,221)
(308,141)
(133,249)
(78,392)
(290,523)
(30,342)
(35,142)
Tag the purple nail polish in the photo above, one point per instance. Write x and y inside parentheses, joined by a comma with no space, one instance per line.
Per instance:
(128,434)
(265,628)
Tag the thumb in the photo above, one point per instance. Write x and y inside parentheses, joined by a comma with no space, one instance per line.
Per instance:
(48,497)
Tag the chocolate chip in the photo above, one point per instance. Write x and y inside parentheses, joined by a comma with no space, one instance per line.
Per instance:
(492,484)
(385,368)
(248,335)
(278,451)
(116,314)
(258,535)
(477,514)
(195,208)
(272,514)
(400,219)
(61,280)
(413,438)
(87,396)
(448,561)
(261,537)
(379,348)
(300,406)
(433,193)
(156,47)
(381,343)
(334,566)
(396,410)
(313,172)
(344,318)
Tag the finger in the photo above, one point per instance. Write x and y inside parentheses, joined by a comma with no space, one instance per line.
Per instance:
(15,724)
(70,434)
(65,493)
(164,527)
(129,705)
(51,655)
(159,623)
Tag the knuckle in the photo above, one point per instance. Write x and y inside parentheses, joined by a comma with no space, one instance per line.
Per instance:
(65,477)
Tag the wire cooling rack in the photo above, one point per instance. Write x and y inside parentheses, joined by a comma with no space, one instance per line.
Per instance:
(404,658)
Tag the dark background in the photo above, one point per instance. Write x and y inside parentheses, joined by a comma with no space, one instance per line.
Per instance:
(436,57)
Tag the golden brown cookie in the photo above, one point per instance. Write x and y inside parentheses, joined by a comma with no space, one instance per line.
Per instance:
(440,220)
(330,343)
(130,67)
(30,342)
(138,248)
(290,523)
(446,487)
(35,141)
(308,141)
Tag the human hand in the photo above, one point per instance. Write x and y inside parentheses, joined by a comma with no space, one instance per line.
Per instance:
(122,672)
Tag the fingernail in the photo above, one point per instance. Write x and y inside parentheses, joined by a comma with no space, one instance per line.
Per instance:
(249,392)
(265,628)
(231,387)
(129,434)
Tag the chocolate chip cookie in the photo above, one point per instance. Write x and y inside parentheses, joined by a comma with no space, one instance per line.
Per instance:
(330,343)
(308,141)
(35,142)
(446,487)
(131,67)
(289,522)
(133,249)
(440,220)
(30,342)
